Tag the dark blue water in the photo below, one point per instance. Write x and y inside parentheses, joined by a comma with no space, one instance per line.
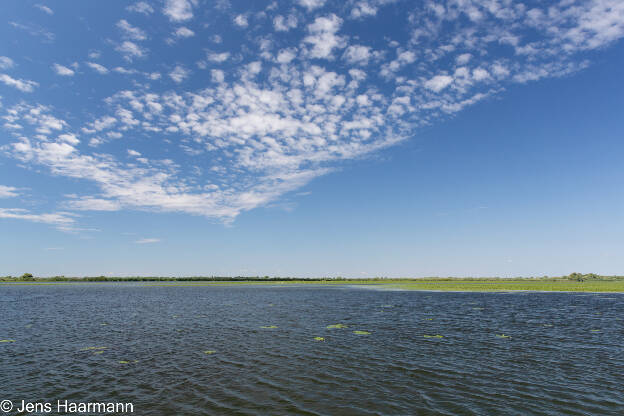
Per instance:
(564,354)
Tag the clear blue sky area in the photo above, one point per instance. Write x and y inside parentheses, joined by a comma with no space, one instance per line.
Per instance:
(312,138)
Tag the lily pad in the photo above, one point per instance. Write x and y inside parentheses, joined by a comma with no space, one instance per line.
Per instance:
(433,336)
(319,339)
(502,336)
(361,332)
(594,330)
(337,326)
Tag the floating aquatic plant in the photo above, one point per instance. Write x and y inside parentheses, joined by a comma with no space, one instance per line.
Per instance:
(433,336)
(209,352)
(93,348)
(337,326)
(594,330)
(502,336)
(129,362)
(98,352)
(7,340)
(361,332)
(268,327)
(319,339)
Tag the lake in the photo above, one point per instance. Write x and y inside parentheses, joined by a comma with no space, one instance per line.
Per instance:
(251,350)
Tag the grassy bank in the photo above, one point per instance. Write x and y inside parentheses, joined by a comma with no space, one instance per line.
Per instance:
(494,286)
(575,282)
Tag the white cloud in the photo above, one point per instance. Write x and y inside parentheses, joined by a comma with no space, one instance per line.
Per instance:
(218,76)
(357,55)
(179,74)
(97,67)
(141,7)
(21,84)
(363,9)
(179,10)
(62,70)
(286,56)
(94,204)
(241,21)
(6,62)
(311,4)
(8,191)
(44,9)
(438,83)
(63,221)
(218,57)
(69,138)
(284,24)
(322,36)
(131,32)
(35,31)
(184,32)
(148,241)
(463,59)
(130,50)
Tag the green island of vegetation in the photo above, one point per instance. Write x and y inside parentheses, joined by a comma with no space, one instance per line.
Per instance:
(575,282)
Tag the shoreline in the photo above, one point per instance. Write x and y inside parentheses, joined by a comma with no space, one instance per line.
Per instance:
(479,286)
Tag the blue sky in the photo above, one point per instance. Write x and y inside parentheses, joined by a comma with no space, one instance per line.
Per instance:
(311,138)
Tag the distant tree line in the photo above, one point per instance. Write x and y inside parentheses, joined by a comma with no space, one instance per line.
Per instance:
(28,277)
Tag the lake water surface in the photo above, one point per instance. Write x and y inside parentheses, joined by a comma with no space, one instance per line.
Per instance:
(499,354)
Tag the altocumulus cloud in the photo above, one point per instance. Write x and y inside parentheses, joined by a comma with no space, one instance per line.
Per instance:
(298,90)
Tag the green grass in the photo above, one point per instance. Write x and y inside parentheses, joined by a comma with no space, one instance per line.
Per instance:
(512,285)
(437,284)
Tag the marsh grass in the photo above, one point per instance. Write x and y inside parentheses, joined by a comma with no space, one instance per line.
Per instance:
(601,284)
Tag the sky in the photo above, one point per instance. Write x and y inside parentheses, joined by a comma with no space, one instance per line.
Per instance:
(305,138)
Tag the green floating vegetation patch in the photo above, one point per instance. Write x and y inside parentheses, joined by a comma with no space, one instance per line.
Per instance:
(595,330)
(93,348)
(433,336)
(98,352)
(319,339)
(337,326)
(361,332)
(129,362)
(502,336)
(428,319)
(548,325)
(269,327)
(7,340)
(209,352)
